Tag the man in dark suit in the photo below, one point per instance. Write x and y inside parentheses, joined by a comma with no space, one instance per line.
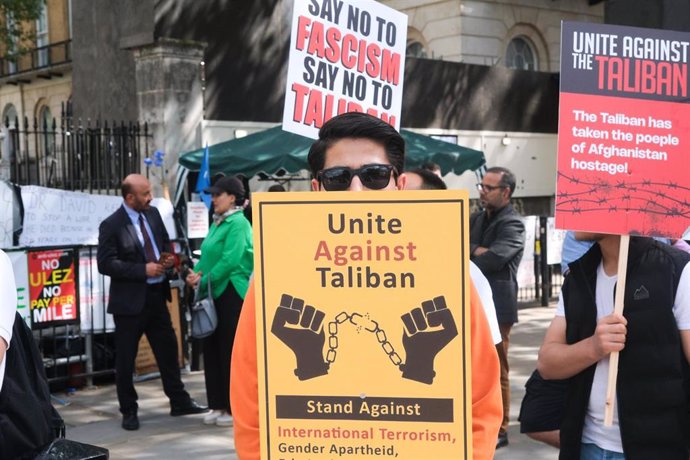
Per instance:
(497,239)
(132,244)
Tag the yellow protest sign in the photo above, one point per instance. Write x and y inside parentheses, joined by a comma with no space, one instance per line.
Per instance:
(363,324)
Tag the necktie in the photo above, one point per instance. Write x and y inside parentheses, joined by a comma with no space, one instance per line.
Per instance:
(148,246)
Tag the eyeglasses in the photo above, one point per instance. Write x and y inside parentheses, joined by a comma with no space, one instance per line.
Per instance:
(374,177)
(488,188)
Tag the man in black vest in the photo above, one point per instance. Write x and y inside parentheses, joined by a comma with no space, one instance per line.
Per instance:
(497,239)
(653,338)
(132,245)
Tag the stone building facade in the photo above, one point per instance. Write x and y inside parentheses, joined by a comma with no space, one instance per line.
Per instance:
(518,34)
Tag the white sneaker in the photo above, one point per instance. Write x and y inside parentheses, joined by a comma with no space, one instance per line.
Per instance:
(224,420)
(211,417)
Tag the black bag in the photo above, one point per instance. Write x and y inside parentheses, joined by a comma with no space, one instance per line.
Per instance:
(204,316)
(28,420)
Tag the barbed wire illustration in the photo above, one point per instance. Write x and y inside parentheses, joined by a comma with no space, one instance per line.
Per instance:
(652,200)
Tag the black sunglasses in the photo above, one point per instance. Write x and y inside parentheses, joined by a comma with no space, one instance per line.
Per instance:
(374,177)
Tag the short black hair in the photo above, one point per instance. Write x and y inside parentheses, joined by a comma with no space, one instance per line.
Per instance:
(507,177)
(430,180)
(431,166)
(276,188)
(356,125)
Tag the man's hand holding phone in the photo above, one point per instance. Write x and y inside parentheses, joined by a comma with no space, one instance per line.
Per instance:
(167,260)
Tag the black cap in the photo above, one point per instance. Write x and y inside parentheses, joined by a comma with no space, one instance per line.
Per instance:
(230,185)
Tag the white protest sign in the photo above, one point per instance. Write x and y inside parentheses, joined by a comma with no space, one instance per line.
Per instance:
(554,242)
(94,294)
(21,279)
(7,206)
(197,219)
(525,273)
(165,208)
(55,217)
(345,56)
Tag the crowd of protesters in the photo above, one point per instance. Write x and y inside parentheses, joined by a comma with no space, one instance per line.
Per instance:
(565,399)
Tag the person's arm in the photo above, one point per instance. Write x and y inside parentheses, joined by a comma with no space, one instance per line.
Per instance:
(244,385)
(559,360)
(510,239)
(487,405)
(3,348)
(108,259)
(486,296)
(234,245)
(685,340)
(8,303)
(681,309)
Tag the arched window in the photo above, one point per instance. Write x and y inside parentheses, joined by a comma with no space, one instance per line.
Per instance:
(8,129)
(9,115)
(45,129)
(520,55)
(10,24)
(417,46)
(415,49)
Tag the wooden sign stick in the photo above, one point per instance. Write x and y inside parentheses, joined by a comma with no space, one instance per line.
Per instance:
(617,308)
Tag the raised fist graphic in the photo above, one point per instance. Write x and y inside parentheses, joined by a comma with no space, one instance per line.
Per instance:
(421,343)
(300,328)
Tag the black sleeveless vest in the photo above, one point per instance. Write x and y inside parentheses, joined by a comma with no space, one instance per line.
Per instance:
(653,374)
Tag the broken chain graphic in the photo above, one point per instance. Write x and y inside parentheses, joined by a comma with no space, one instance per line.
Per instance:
(300,327)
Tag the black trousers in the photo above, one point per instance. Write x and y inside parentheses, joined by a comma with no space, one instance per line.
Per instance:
(154,321)
(217,349)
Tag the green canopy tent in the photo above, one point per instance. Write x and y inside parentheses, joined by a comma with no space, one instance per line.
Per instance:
(273,149)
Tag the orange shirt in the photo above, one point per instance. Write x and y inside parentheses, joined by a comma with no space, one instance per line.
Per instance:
(487,408)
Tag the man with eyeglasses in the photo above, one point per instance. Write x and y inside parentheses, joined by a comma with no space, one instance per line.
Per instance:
(497,240)
(357,152)
(426,179)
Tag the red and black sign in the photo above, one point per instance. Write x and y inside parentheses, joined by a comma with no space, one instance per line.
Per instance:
(53,287)
(624,131)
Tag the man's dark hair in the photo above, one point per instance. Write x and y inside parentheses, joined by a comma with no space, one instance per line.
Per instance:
(430,181)
(430,166)
(507,177)
(355,125)
(126,189)
(276,188)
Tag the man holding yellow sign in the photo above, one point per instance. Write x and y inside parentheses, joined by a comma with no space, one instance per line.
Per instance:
(442,343)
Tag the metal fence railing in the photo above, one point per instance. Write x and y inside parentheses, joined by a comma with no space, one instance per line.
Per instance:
(36,59)
(92,157)
(546,280)
(78,352)
(69,154)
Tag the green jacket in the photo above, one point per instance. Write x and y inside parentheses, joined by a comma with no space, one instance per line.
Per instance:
(227,254)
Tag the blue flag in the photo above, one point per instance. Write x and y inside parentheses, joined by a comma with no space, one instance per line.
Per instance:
(204,179)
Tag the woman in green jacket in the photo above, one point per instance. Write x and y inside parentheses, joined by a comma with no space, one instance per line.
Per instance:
(227,261)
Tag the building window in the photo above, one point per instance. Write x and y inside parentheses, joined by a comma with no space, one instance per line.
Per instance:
(42,37)
(520,55)
(10,56)
(9,117)
(416,49)
(9,124)
(69,17)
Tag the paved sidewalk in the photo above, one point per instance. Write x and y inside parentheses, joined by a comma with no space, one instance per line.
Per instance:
(92,415)
(525,340)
